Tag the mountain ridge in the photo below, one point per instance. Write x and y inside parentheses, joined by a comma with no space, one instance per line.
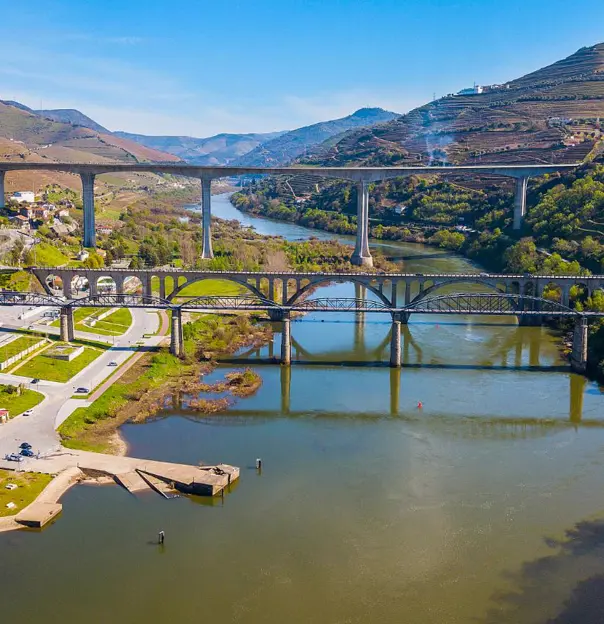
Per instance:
(290,145)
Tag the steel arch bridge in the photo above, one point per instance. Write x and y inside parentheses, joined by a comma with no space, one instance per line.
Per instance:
(490,304)
(453,303)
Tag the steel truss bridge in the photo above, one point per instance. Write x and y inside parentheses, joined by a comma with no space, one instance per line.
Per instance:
(458,303)
(523,306)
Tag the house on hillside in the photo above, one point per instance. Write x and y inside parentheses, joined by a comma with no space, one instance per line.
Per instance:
(21,222)
(62,212)
(28,197)
(82,255)
(40,213)
(27,212)
(104,229)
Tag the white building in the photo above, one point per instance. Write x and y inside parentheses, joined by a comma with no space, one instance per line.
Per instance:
(24,196)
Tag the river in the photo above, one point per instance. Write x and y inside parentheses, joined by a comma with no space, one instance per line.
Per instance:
(367,509)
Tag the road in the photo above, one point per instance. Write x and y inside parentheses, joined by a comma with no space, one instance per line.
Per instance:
(39,429)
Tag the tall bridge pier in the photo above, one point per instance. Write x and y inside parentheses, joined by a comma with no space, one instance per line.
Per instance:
(520,201)
(361,255)
(88,205)
(206,218)
(2,202)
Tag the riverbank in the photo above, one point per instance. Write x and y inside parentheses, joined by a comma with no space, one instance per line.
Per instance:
(158,379)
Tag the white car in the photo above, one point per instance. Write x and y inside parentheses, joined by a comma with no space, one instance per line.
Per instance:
(28,412)
(112,363)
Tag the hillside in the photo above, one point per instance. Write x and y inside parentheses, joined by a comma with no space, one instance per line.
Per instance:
(220,149)
(29,137)
(73,117)
(290,145)
(550,115)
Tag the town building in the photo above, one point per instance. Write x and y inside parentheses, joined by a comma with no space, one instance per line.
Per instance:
(28,197)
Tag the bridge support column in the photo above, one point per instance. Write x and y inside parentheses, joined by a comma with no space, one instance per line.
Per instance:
(66,324)
(395,344)
(520,202)
(176,338)
(361,255)
(286,342)
(88,202)
(578,356)
(2,202)
(119,284)
(206,218)
(271,289)
(162,287)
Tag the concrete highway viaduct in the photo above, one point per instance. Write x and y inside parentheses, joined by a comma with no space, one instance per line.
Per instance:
(285,293)
(362,177)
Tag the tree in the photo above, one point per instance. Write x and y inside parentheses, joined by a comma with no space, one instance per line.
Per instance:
(522,257)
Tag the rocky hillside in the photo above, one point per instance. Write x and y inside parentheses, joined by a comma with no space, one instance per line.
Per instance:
(30,137)
(220,149)
(550,115)
(290,145)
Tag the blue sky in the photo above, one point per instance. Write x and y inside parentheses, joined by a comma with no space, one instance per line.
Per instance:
(201,67)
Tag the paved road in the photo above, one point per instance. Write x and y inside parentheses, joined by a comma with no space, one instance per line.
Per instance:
(39,428)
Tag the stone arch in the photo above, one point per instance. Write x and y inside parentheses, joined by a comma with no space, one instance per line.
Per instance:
(105,284)
(79,284)
(428,291)
(133,284)
(53,284)
(226,278)
(363,281)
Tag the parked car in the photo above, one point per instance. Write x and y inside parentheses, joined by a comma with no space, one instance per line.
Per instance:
(25,445)
(112,363)
(13,457)
(82,390)
(27,452)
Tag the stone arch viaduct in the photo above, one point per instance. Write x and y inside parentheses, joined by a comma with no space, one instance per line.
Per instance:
(281,294)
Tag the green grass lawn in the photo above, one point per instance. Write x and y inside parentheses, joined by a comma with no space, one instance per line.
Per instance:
(116,324)
(18,403)
(44,367)
(16,346)
(30,485)
(202,288)
(48,255)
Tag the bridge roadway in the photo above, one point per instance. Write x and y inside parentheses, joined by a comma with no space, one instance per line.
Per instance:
(361,176)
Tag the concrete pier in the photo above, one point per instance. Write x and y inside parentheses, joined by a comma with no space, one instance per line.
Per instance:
(361,255)
(88,201)
(286,342)
(520,201)
(2,201)
(67,324)
(578,357)
(395,344)
(176,337)
(206,218)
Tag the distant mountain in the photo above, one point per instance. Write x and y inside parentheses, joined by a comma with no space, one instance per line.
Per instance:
(220,149)
(290,145)
(71,116)
(550,115)
(23,131)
